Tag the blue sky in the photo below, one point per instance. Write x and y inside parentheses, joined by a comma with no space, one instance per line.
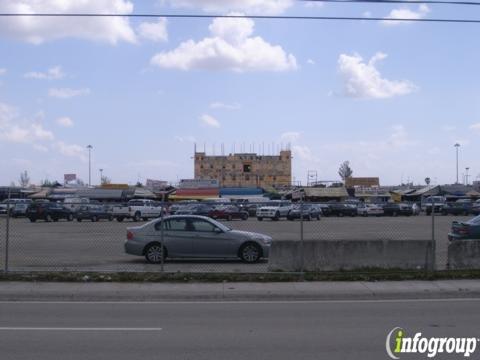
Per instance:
(391,99)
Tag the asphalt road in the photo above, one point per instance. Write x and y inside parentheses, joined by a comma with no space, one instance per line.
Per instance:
(99,246)
(209,331)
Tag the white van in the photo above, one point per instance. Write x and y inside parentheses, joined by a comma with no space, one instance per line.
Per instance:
(74,203)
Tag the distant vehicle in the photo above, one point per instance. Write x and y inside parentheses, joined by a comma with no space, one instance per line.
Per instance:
(465,230)
(138,209)
(326,211)
(93,213)
(196,209)
(228,212)
(48,211)
(341,210)
(396,209)
(74,203)
(459,207)
(275,210)
(307,211)
(18,207)
(194,237)
(369,210)
(438,204)
(476,208)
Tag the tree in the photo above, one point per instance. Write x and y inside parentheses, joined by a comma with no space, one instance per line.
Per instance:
(24,179)
(139,184)
(345,171)
(105,180)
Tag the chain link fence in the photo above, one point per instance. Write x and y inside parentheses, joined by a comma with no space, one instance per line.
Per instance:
(71,245)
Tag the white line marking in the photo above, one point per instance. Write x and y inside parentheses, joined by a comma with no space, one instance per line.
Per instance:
(75,329)
(207,302)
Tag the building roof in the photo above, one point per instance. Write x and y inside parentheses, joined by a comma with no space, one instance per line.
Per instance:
(339,192)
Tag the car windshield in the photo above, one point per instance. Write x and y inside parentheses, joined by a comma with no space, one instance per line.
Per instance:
(474,221)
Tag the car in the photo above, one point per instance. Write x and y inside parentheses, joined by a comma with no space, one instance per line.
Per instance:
(191,236)
(369,210)
(93,213)
(459,207)
(307,211)
(395,209)
(341,210)
(465,229)
(275,210)
(476,208)
(196,209)
(228,212)
(326,211)
(48,211)
(18,207)
(438,204)
(138,209)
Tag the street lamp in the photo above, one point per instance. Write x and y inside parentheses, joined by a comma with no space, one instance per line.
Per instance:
(89,147)
(101,176)
(457,145)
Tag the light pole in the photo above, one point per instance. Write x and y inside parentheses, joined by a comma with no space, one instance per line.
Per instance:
(466,175)
(89,147)
(432,264)
(457,145)
(101,176)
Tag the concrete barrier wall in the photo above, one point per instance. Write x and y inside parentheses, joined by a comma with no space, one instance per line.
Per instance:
(335,255)
(464,254)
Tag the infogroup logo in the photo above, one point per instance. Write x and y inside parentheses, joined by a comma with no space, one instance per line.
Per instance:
(398,343)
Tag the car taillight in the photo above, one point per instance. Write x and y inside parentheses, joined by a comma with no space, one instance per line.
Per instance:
(463,230)
(129,235)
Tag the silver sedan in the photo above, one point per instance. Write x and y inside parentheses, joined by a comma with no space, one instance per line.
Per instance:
(190,236)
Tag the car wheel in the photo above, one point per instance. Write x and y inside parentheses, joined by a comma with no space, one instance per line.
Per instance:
(276,217)
(32,219)
(136,217)
(244,217)
(394,214)
(341,215)
(229,218)
(119,219)
(110,218)
(153,253)
(79,220)
(318,216)
(250,253)
(48,218)
(94,218)
(70,217)
(309,217)
(259,218)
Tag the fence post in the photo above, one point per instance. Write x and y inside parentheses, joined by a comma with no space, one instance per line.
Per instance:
(7,233)
(162,224)
(433,264)
(302,266)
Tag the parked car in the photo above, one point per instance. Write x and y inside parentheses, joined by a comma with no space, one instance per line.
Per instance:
(307,211)
(228,212)
(459,207)
(189,236)
(138,209)
(94,213)
(438,204)
(465,230)
(395,209)
(341,210)
(326,211)
(74,203)
(196,209)
(18,207)
(369,210)
(48,211)
(476,208)
(275,210)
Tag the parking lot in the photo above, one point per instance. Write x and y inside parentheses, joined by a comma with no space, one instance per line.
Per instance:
(99,246)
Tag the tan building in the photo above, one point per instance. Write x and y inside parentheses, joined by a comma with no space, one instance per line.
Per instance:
(245,169)
(362,182)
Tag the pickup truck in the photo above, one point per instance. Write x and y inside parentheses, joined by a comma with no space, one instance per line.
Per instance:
(274,211)
(438,204)
(141,209)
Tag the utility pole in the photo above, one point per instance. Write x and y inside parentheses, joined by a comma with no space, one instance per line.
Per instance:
(466,175)
(101,176)
(89,147)
(457,145)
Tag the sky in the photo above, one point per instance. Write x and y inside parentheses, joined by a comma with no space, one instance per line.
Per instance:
(391,98)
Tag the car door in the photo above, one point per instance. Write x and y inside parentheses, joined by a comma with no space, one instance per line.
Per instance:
(211,241)
(176,238)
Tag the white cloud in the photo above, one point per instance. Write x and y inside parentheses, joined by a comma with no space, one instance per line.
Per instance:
(290,136)
(37,30)
(266,7)
(304,153)
(3,71)
(363,80)
(53,73)
(405,13)
(209,121)
(311,62)
(221,105)
(475,127)
(65,121)
(230,47)
(184,139)
(66,93)
(71,150)
(154,31)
